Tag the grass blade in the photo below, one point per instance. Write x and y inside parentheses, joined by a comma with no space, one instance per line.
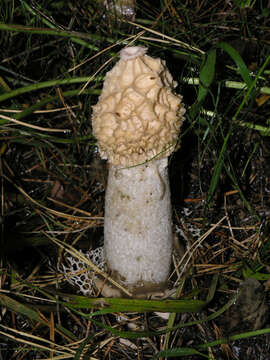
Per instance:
(206,78)
(243,70)
(42,85)
(17,307)
(139,305)
(178,352)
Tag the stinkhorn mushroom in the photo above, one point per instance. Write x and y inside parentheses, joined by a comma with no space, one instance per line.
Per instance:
(136,122)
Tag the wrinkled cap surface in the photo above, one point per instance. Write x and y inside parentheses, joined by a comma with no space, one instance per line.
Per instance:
(137,116)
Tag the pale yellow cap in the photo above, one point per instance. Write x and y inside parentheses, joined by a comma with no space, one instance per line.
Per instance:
(137,116)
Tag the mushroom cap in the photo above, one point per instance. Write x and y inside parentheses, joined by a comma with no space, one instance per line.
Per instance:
(137,116)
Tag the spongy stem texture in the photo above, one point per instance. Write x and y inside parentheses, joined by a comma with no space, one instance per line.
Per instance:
(137,228)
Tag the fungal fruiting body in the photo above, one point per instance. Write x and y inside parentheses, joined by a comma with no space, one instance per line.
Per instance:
(136,122)
(121,8)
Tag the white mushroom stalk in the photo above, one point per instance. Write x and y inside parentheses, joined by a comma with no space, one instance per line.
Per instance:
(136,122)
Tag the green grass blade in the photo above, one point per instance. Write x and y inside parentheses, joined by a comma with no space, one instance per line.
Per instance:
(212,289)
(127,334)
(140,334)
(42,85)
(190,351)
(220,160)
(235,337)
(217,170)
(178,352)
(206,78)
(74,36)
(207,74)
(82,347)
(66,332)
(139,305)
(19,308)
(243,70)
